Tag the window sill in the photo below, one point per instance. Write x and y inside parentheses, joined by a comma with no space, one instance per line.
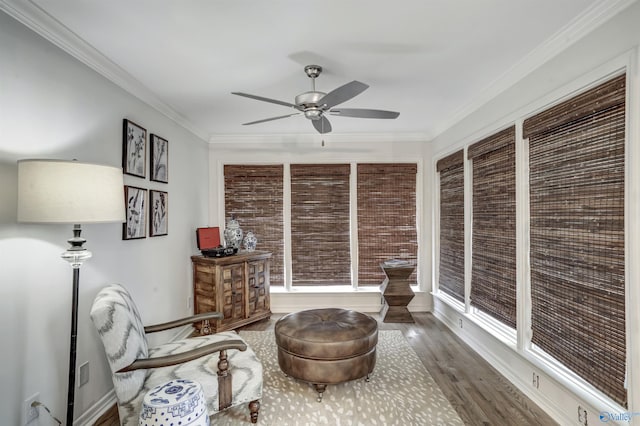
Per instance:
(331,289)
(482,320)
(576,384)
(324,289)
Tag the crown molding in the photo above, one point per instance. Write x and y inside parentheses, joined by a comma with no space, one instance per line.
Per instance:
(316,137)
(596,15)
(39,21)
(35,18)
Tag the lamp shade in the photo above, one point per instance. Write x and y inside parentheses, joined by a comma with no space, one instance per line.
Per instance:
(54,191)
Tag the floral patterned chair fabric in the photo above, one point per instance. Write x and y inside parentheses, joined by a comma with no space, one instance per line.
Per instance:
(230,379)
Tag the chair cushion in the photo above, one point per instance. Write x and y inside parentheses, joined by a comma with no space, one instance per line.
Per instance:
(244,366)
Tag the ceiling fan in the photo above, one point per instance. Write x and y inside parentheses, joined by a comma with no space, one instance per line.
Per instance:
(315,105)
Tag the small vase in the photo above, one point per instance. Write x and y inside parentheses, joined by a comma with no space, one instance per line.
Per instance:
(233,233)
(250,241)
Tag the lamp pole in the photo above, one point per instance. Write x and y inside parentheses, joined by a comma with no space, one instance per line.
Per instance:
(72,350)
(75,255)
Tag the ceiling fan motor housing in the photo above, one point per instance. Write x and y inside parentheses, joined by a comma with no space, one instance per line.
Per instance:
(308,102)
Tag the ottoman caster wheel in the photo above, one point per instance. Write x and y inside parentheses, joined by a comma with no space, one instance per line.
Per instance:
(320,389)
(368,378)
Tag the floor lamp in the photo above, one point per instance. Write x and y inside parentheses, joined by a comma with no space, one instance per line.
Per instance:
(52,191)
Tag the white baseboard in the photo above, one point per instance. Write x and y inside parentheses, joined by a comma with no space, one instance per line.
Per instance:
(370,301)
(94,412)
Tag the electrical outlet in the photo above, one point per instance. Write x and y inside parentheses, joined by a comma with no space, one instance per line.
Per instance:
(536,380)
(583,416)
(460,322)
(30,412)
(83,378)
(189,302)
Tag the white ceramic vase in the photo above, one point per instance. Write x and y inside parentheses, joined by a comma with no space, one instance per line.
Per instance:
(250,241)
(233,233)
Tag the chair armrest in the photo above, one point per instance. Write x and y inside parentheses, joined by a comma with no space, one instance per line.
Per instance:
(180,358)
(183,321)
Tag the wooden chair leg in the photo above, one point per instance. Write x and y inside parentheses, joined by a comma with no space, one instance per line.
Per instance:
(254,407)
(224,382)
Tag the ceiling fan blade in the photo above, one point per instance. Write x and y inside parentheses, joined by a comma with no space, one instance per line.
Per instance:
(322,125)
(364,113)
(343,93)
(260,98)
(270,119)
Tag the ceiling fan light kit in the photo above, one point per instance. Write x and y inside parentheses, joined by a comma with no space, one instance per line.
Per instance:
(315,104)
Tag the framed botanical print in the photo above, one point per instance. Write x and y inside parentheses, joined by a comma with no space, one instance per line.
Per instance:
(136,205)
(159,159)
(134,145)
(158,213)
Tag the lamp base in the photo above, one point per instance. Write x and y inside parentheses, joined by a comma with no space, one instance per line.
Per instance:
(76,257)
(76,254)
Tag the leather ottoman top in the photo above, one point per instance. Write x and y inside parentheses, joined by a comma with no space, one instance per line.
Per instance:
(326,333)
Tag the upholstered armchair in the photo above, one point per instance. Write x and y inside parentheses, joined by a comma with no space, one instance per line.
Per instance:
(230,379)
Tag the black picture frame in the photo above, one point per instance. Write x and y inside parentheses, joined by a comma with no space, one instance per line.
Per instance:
(158,213)
(134,149)
(135,226)
(159,159)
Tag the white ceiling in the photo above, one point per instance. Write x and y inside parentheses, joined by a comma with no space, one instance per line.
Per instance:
(431,60)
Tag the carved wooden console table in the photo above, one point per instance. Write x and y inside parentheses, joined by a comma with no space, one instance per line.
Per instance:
(237,286)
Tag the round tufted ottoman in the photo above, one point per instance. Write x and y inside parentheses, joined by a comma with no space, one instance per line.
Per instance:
(178,402)
(326,346)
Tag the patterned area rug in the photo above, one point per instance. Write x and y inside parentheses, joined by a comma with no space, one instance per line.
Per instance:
(400,392)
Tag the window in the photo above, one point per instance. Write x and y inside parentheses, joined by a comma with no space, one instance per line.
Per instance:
(493,272)
(320,233)
(386,218)
(451,267)
(320,218)
(254,194)
(576,181)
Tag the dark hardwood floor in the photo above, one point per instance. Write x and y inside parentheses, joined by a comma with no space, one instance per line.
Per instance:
(479,394)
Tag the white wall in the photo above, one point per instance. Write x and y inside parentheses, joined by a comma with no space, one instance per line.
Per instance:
(611,47)
(337,148)
(52,106)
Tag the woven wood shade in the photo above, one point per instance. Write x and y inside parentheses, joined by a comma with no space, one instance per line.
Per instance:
(600,98)
(320,238)
(577,235)
(451,276)
(493,272)
(386,218)
(254,194)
